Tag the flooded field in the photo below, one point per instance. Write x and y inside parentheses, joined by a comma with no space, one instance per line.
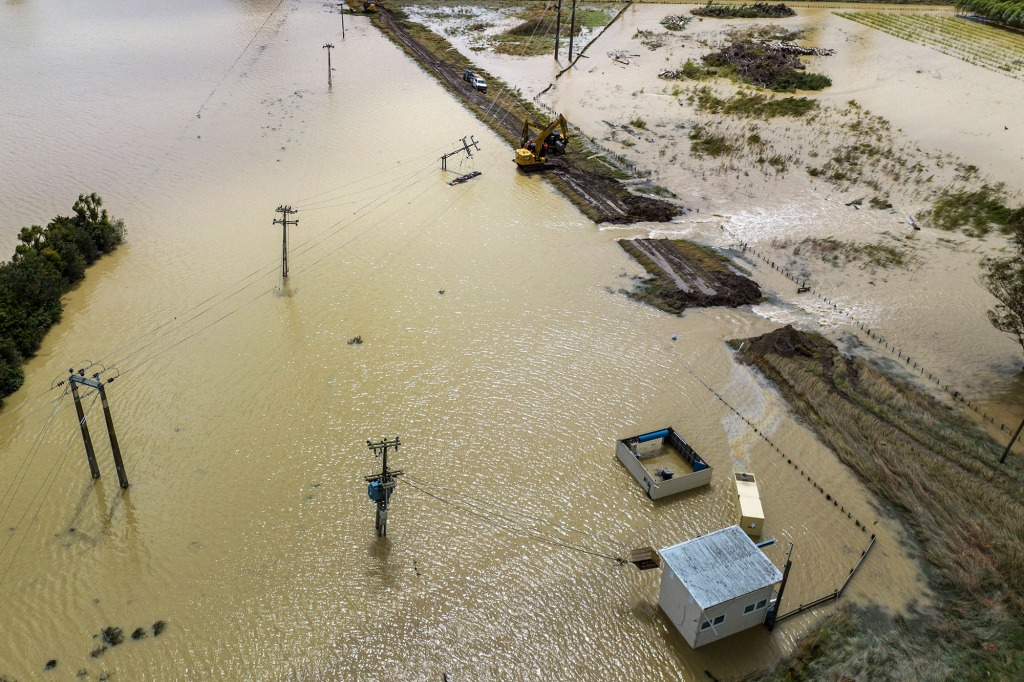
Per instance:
(495,343)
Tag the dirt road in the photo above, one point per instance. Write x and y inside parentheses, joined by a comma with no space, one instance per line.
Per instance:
(602,198)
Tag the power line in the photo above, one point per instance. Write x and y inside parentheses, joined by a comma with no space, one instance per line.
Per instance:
(508,523)
(54,470)
(530,533)
(25,463)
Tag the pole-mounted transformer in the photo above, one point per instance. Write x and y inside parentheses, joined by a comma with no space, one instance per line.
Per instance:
(380,486)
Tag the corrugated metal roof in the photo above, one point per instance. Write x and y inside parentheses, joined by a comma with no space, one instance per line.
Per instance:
(720,566)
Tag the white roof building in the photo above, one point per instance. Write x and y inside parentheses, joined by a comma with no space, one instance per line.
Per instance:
(716,585)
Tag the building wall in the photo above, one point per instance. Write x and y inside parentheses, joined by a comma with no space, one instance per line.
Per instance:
(687,616)
(656,488)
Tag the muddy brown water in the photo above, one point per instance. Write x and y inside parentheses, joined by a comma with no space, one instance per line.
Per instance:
(243,412)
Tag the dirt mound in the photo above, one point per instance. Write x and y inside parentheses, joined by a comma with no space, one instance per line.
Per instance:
(788,341)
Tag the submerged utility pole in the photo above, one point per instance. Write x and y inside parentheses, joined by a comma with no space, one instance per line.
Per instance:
(465,148)
(572,29)
(284,222)
(89,452)
(558,27)
(329,47)
(380,486)
(79,378)
(773,612)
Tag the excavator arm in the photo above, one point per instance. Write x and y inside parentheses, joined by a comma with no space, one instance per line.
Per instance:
(530,156)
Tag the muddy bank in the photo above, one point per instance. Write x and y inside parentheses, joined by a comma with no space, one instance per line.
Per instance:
(603,198)
(686,275)
(938,472)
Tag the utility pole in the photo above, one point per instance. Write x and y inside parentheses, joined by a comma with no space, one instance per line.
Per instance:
(572,29)
(284,222)
(1012,441)
(342,23)
(465,148)
(558,28)
(329,47)
(89,452)
(380,486)
(773,613)
(79,378)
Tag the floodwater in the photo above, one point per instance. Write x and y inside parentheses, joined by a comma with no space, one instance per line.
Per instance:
(495,343)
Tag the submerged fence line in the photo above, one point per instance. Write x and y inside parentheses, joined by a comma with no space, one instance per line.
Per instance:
(802,287)
(789,460)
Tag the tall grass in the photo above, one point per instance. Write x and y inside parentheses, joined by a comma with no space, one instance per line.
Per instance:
(940,473)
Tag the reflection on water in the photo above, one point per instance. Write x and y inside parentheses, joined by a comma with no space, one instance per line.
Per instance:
(242,410)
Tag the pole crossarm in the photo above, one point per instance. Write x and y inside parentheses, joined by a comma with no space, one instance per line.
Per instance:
(284,222)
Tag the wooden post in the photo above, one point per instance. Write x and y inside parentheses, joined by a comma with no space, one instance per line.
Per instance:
(1012,441)
(572,29)
(558,27)
(90,453)
(118,463)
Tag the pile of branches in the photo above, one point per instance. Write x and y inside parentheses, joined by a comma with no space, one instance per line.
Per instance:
(792,48)
(758,10)
(676,22)
(758,65)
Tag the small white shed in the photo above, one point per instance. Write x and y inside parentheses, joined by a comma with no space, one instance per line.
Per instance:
(716,585)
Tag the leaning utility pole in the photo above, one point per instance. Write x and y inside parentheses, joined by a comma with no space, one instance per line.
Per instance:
(465,148)
(558,27)
(383,484)
(329,47)
(284,223)
(1012,441)
(773,613)
(572,29)
(79,378)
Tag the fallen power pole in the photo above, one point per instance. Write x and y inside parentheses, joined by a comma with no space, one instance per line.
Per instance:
(74,379)
(465,148)
(380,486)
(284,223)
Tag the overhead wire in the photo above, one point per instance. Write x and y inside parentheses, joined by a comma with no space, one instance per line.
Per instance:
(22,472)
(478,509)
(51,475)
(299,251)
(16,433)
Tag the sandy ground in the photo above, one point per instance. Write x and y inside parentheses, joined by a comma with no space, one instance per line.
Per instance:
(932,114)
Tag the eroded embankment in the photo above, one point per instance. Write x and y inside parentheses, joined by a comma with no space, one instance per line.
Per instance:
(686,275)
(941,474)
(602,198)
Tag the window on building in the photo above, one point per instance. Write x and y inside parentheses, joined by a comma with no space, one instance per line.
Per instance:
(749,607)
(718,620)
(763,603)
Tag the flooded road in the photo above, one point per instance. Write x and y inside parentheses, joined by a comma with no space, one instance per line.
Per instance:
(496,344)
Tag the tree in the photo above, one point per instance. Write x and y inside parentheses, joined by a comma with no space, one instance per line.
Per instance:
(1004,279)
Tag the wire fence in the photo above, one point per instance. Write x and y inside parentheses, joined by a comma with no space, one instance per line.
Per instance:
(873,334)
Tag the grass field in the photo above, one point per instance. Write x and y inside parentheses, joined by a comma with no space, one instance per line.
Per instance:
(941,475)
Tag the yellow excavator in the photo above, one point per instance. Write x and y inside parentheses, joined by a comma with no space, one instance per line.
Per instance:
(533,154)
